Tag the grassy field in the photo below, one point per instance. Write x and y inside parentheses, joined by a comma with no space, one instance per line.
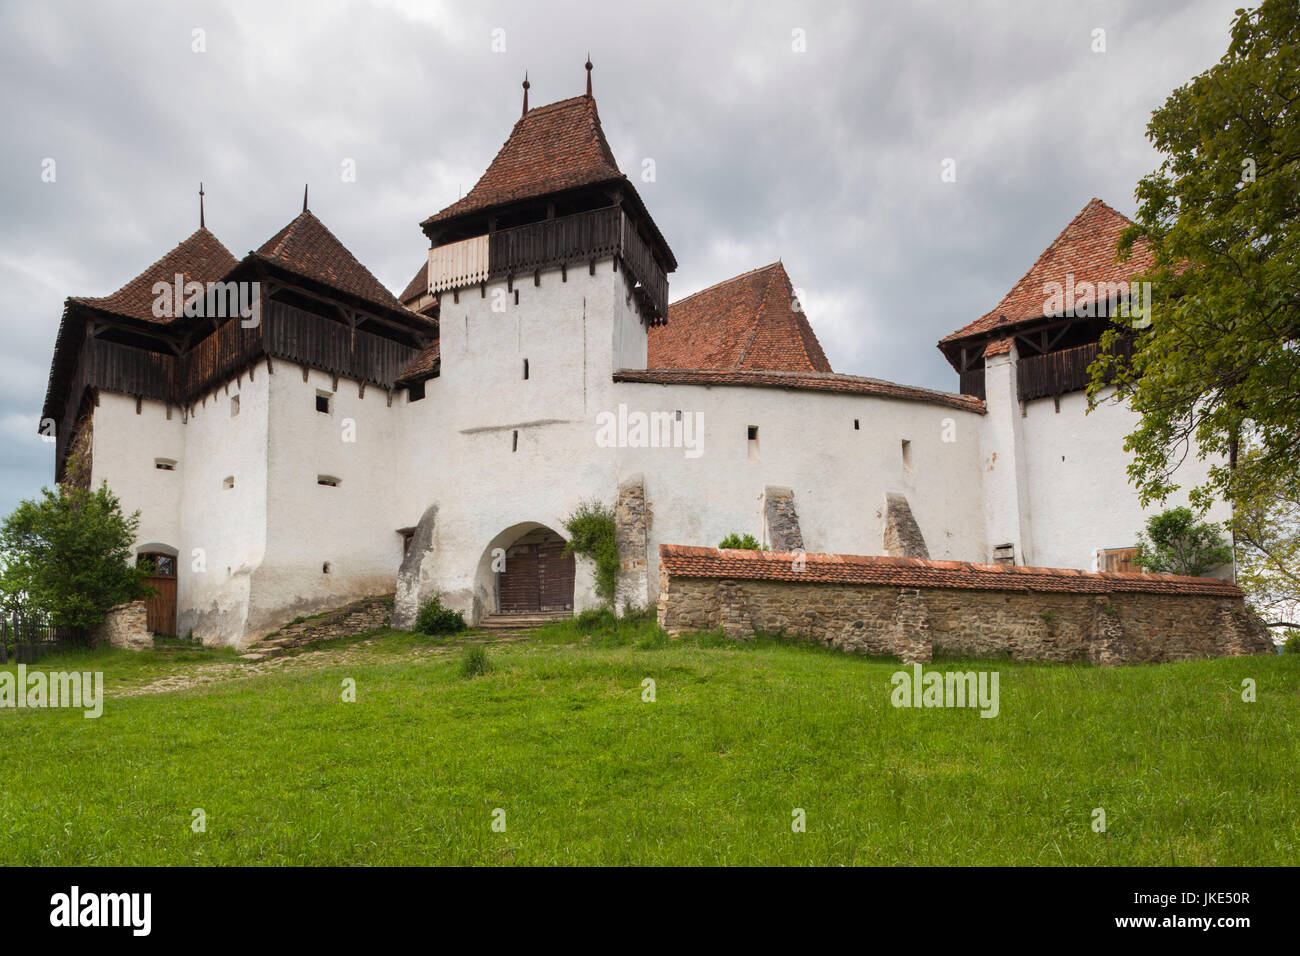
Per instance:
(556,734)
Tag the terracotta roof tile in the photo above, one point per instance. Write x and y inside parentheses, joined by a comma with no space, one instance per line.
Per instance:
(802,381)
(694,562)
(200,258)
(551,148)
(747,322)
(1086,247)
(425,365)
(307,248)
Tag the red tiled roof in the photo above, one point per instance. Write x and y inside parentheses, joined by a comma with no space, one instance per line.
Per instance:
(1086,247)
(1000,346)
(692,562)
(747,322)
(422,366)
(551,148)
(307,248)
(200,258)
(805,381)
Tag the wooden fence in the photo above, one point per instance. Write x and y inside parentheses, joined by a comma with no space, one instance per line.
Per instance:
(25,638)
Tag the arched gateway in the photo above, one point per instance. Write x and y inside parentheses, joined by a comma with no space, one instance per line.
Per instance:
(530,571)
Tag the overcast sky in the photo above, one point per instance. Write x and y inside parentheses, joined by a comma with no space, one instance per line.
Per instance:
(828,158)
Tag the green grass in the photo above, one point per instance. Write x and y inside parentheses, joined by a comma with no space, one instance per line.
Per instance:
(556,733)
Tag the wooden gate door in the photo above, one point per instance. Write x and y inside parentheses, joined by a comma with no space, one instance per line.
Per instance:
(538,575)
(160,606)
(517,585)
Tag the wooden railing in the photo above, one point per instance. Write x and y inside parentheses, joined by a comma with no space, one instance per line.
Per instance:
(972,382)
(551,242)
(1056,373)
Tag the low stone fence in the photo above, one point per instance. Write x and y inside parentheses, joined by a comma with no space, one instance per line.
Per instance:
(126,625)
(913,608)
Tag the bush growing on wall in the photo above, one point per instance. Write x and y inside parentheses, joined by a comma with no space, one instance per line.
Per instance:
(742,542)
(592,534)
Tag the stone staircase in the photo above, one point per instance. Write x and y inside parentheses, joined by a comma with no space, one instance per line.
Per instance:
(508,623)
(366,614)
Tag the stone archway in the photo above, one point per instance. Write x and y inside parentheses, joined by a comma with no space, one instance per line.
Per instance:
(524,570)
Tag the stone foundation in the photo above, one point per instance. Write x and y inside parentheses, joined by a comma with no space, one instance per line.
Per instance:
(1066,616)
(631,532)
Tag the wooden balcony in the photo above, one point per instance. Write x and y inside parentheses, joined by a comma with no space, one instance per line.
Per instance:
(1060,372)
(567,240)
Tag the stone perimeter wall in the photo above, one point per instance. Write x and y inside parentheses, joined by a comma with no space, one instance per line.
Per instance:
(915,623)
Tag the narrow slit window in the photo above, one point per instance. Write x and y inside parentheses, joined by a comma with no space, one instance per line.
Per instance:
(329,481)
(525,369)
(856,425)
(751,434)
(165,464)
(514,441)
(234,405)
(907,456)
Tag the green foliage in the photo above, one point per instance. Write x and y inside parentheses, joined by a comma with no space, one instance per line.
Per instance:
(436,619)
(1176,543)
(68,554)
(1292,643)
(743,542)
(1266,524)
(475,663)
(601,627)
(592,534)
(1219,362)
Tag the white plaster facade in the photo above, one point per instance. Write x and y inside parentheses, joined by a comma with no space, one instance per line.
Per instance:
(500,454)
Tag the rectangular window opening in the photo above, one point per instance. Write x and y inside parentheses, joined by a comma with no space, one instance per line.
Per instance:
(329,481)
(752,435)
(525,369)
(323,401)
(234,405)
(165,464)
(907,456)
(228,482)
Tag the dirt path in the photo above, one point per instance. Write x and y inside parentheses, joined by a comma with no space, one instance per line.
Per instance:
(359,653)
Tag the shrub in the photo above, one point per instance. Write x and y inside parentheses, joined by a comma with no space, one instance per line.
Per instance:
(1176,543)
(742,542)
(1292,643)
(436,619)
(475,663)
(592,534)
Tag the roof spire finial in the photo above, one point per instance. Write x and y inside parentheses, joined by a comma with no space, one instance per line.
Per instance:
(588,64)
(202,224)
(304,197)
(526,85)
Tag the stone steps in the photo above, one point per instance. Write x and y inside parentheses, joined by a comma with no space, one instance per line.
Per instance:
(354,618)
(499,623)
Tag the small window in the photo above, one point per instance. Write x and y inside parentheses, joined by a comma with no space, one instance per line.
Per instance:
(165,464)
(1005,555)
(329,481)
(234,405)
(752,435)
(1118,559)
(323,402)
(228,482)
(907,456)
(415,393)
(525,369)
(856,425)
(325,568)
(514,442)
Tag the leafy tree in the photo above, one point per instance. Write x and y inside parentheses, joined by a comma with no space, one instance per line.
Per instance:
(1267,529)
(68,554)
(742,542)
(1176,543)
(1219,361)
